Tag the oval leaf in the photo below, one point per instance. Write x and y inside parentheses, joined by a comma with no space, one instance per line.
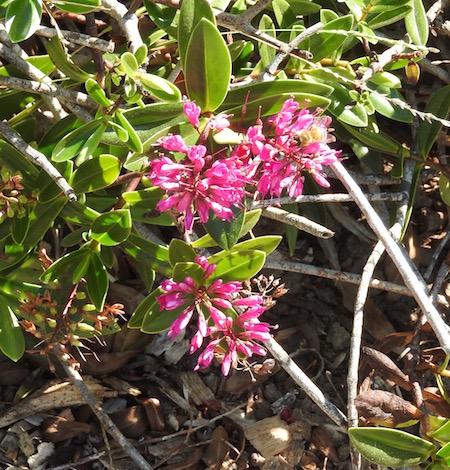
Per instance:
(22,18)
(78,6)
(439,105)
(12,342)
(112,228)
(390,447)
(159,87)
(237,266)
(96,173)
(97,93)
(208,67)
(225,233)
(180,252)
(147,305)
(97,281)
(416,23)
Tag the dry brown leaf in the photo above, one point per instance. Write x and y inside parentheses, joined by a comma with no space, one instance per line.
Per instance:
(269,436)
(152,407)
(323,441)
(385,408)
(56,395)
(434,401)
(59,429)
(217,450)
(190,462)
(106,362)
(131,421)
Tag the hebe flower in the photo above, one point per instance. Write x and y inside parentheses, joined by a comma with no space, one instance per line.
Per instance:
(299,144)
(232,339)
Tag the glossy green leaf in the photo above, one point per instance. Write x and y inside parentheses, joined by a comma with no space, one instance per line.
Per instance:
(12,342)
(96,173)
(97,281)
(159,87)
(439,105)
(183,270)
(387,16)
(144,197)
(237,266)
(146,274)
(206,55)
(191,13)
(64,266)
(156,321)
(22,18)
(250,220)
(443,456)
(129,64)
(266,52)
(20,229)
(78,213)
(444,188)
(73,143)
(156,255)
(416,23)
(180,251)
(97,93)
(48,189)
(141,53)
(324,44)
(80,269)
(225,233)
(258,91)
(266,243)
(442,434)
(133,140)
(112,228)
(63,61)
(385,107)
(376,140)
(147,305)
(73,238)
(162,16)
(78,6)
(56,132)
(351,114)
(272,105)
(390,447)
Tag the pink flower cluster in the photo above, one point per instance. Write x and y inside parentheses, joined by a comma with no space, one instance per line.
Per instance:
(272,158)
(292,142)
(232,336)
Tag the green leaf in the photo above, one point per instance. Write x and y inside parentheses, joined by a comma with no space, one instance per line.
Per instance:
(258,91)
(57,132)
(64,266)
(74,142)
(97,281)
(236,265)
(12,342)
(250,220)
(112,228)
(385,107)
(443,456)
(439,105)
(20,229)
(191,13)
(180,251)
(78,213)
(444,188)
(96,173)
(48,189)
(324,44)
(78,6)
(416,23)
(267,243)
(193,270)
(147,305)
(156,321)
(63,61)
(14,160)
(225,233)
(266,52)
(80,269)
(206,55)
(390,447)
(161,15)
(22,18)
(388,16)
(156,255)
(133,140)
(97,93)
(129,64)
(159,87)
(353,115)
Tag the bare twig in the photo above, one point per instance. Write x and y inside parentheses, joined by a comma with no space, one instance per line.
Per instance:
(104,419)
(77,38)
(438,72)
(128,22)
(37,157)
(329,198)
(341,276)
(383,59)
(398,255)
(306,384)
(436,254)
(91,29)
(48,90)
(298,221)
